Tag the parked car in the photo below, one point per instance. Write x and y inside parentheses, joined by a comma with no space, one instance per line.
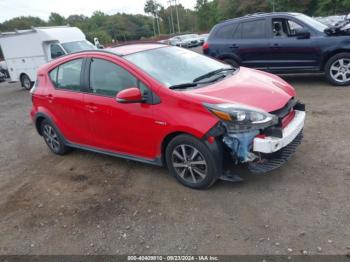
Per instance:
(2,77)
(26,50)
(4,69)
(190,40)
(203,38)
(185,110)
(282,43)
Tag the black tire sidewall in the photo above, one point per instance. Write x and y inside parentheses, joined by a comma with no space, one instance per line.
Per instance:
(22,81)
(212,165)
(328,66)
(63,148)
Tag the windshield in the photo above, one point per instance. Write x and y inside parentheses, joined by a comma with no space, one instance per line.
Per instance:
(312,22)
(174,65)
(72,47)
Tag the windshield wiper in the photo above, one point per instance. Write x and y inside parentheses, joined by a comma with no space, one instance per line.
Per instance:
(212,73)
(183,86)
(193,84)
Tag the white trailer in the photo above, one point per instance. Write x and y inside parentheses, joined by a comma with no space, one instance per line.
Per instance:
(26,50)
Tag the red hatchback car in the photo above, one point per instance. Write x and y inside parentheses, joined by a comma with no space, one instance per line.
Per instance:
(168,106)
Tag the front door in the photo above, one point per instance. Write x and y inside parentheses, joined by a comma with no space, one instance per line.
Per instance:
(117,127)
(290,52)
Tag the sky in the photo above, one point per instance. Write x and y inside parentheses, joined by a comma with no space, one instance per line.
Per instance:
(42,8)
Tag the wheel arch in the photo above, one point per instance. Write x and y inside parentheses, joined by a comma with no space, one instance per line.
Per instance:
(39,118)
(215,146)
(166,141)
(331,54)
(230,56)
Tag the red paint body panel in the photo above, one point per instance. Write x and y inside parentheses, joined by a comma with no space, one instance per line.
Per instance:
(249,87)
(288,118)
(139,129)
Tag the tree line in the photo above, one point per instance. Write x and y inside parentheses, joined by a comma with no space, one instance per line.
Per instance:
(163,21)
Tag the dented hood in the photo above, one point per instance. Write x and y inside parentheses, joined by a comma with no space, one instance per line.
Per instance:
(249,87)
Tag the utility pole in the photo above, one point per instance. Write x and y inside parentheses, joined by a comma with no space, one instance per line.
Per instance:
(154,27)
(157,15)
(171,15)
(177,16)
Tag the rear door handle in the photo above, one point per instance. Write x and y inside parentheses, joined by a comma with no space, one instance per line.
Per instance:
(91,107)
(50,98)
(234,46)
(275,45)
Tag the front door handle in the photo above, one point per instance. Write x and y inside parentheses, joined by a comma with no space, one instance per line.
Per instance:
(92,108)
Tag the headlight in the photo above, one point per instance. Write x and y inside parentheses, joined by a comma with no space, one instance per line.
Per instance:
(240,117)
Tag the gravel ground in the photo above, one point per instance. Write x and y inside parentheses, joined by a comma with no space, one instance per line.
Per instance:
(85,203)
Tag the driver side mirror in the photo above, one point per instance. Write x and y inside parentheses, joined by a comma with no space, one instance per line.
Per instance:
(302,33)
(130,95)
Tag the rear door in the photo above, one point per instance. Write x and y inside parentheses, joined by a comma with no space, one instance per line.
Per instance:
(252,43)
(222,43)
(65,101)
(289,52)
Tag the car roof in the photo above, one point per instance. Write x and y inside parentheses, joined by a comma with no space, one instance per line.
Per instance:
(134,48)
(260,15)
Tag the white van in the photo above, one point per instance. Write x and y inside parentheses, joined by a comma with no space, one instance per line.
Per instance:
(26,50)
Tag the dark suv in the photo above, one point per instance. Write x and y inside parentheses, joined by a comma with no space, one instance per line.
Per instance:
(282,43)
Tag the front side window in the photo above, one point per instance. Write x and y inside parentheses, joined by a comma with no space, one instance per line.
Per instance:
(67,76)
(253,29)
(285,28)
(56,51)
(294,28)
(107,78)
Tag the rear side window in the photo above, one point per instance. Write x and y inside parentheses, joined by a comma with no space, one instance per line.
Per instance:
(253,29)
(67,76)
(107,78)
(226,31)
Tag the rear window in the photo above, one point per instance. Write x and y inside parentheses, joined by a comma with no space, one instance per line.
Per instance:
(67,76)
(253,29)
(226,31)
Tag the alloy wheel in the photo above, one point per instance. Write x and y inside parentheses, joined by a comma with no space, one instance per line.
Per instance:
(340,70)
(51,138)
(189,163)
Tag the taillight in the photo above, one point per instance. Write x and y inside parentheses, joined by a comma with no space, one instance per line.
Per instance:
(205,46)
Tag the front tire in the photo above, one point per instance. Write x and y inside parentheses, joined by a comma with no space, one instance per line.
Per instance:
(26,82)
(53,139)
(337,69)
(191,162)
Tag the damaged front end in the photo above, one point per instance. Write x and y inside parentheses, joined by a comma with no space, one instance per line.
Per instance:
(258,139)
(339,29)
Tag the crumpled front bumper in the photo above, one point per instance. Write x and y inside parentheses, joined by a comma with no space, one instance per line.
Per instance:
(270,144)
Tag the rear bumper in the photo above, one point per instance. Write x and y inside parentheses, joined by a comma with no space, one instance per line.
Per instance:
(269,145)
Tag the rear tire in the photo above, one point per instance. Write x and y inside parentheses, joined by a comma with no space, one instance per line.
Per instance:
(53,138)
(191,162)
(26,82)
(337,69)
(232,62)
